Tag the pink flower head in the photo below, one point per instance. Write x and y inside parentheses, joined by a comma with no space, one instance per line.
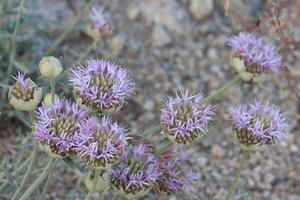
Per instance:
(258,55)
(100,142)
(101,85)
(56,126)
(176,175)
(184,119)
(258,124)
(137,171)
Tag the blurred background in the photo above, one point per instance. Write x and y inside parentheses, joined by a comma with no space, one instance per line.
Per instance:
(166,45)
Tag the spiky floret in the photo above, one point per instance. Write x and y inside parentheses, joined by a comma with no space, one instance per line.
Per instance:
(258,124)
(101,85)
(184,119)
(176,175)
(24,94)
(137,171)
(56,126)
(100,142)
(258,56)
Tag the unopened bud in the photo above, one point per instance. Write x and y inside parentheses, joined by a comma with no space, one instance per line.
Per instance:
(48,99)
(50,67)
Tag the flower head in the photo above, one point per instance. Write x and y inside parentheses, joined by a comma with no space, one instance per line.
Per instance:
(137,171)
(257,55)
(24,94)
(100,22)
(184,120)
(101,85)
(57,125)
(100,142)
(176,175)
(258,124)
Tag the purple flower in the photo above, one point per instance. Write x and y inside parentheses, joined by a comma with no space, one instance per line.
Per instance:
(176,175)
(258,55)
(184,119)
(57,125)
(99,21)
(258,124)
(101,85)
(137,171)
(100,142)
(23,84)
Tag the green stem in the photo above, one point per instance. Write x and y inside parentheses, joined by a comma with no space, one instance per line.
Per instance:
(51,163)
(13,47)
(86,52)
(69,29)
(13,40)
(52,84)
(28,172)
(46,187)
(94,184)
(222,89)
(237,175)
(17,171)
(165,145)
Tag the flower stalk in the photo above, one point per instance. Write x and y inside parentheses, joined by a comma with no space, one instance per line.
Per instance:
(69,29)
(51,164)
(28,172)
(94,184)
(219,91)
(234,185)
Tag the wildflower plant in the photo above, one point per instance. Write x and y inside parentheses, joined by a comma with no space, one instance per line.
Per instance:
(56,126)
(254,57)
(84,136)
(100,142)
(184,119)
(101,85)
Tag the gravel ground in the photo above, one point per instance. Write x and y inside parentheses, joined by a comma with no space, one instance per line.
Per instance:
(169,45)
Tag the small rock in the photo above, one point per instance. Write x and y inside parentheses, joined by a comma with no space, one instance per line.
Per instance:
(168,13)
(132,12)
(294,148)
(200,9)
(216,151)
(202,161)
(160,37)
(212,54)
(269,177)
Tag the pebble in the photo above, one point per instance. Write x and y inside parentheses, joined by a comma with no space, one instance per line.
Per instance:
(169,13)
(160,36)
(201,9)
(202,161)
(217,151)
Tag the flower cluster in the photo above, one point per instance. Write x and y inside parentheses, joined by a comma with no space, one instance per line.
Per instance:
(256,56)
(176,175)
(184,119)
(100,142)
(258,124)
(101,85)
(57,125)
(24,94)
(137,171)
